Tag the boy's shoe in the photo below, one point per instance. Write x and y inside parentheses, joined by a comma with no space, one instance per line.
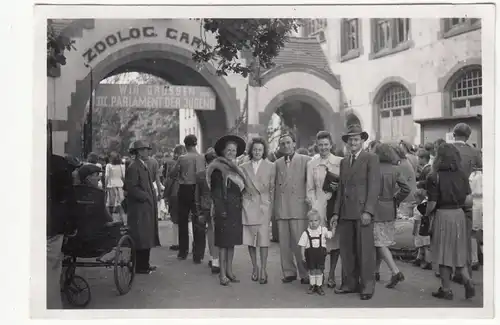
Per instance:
(311,290)
(320,291)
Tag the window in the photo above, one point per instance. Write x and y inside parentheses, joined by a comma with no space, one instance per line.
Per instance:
(390,36)
(350,39)
(396,120)
(456,26)
(467,93)
(310,27)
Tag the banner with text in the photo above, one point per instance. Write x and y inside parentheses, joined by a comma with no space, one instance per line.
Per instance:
(155,96)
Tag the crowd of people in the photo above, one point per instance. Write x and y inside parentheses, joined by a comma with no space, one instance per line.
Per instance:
(316,203)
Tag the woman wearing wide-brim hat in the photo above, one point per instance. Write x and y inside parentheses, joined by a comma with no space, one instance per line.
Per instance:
(227,183)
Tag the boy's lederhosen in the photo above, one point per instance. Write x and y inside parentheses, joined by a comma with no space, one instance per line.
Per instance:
(315,256)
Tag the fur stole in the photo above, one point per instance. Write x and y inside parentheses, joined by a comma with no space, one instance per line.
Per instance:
(226,167)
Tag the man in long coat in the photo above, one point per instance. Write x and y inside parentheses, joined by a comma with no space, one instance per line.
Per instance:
(142,207)
(290,208)
(357,197)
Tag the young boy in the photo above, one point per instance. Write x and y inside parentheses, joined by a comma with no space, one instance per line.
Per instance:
(422,243)
(313,248)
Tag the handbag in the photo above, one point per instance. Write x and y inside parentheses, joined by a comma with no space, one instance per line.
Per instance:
(329,179)
(425,228)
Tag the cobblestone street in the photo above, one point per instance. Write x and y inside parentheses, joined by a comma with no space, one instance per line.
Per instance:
(182,284)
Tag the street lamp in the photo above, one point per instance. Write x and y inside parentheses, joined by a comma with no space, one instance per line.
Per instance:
(87,127)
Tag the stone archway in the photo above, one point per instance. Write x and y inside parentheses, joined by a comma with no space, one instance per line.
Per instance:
(142,57)
(331,120)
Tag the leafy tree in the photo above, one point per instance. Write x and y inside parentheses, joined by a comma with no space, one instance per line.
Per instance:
(57,44)
(115,129)
(261,38)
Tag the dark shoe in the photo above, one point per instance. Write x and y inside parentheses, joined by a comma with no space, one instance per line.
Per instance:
(441,294)
(288,279)
(233,279)
(416,262)
(331,284)
(146,271)
(255,276)
(181,257)
(475,266)
(263,278)
(395,279)
(342,291)
(304,281)
(311,290)
(457,279)
(210,264)
(470,290)
(366,296)
(320,291)
(196,261)
(215,270)
(427,266)
(174,247)
(377,277)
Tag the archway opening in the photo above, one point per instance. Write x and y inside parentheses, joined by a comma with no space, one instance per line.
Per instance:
(298,117)
(174,73)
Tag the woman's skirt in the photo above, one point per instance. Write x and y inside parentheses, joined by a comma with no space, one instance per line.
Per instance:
(449,238)
(114,196)
(256,235)
(383,233)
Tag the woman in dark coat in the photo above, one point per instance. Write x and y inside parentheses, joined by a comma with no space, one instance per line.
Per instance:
(142,206)
(227,183)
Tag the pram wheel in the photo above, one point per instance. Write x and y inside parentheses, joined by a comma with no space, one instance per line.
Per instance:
(124,266)
(77,291)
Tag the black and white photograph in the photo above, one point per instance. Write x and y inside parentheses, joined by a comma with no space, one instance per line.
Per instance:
(268,159)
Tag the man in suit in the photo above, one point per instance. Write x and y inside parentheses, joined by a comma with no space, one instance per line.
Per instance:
(290,207)
(142,207)
(354,209)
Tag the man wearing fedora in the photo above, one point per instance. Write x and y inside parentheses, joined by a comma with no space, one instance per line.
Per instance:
(354,209)
(290,207)
(141,207)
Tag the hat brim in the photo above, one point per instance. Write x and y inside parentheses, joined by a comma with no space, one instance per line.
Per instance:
(220,145)
(364,136)
(132,150)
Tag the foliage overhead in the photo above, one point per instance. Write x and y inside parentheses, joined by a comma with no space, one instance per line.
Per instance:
(261,38)
(57,44)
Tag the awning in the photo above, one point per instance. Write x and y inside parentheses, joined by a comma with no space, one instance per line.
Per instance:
(450,118)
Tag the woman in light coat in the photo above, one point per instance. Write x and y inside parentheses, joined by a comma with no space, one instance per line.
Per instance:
(257,206)
(319,199)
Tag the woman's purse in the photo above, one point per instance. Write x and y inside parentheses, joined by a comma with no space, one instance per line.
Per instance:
(424,228)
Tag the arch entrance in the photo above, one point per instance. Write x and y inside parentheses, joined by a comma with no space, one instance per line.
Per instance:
(160,56)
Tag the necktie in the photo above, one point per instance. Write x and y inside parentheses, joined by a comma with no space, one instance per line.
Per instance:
(353,159)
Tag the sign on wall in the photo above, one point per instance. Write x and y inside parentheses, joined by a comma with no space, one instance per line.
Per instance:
(155,96)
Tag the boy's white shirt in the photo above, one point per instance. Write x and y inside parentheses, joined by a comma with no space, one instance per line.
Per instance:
(476,183)
(325,234)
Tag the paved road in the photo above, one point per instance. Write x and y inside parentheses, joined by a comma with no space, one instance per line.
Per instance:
(182,284)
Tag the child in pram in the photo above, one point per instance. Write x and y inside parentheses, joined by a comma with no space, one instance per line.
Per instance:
(96,233)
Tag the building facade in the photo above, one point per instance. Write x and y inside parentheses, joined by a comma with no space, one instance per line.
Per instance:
(411,79)
(189,124)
